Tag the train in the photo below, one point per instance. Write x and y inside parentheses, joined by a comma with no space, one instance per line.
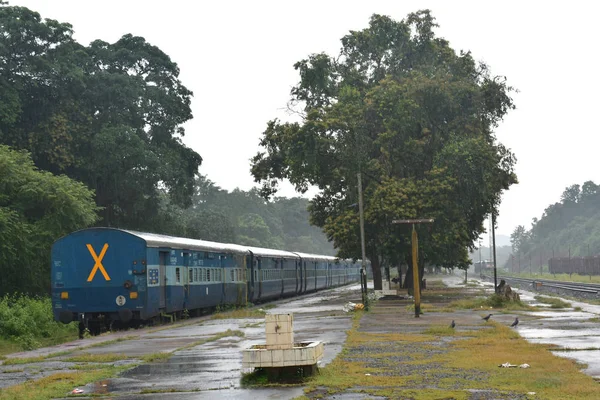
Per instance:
(109,278)
(575,265)
(483,267)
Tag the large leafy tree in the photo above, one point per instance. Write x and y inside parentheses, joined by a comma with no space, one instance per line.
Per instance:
(416,119)
(109,115)
(36,208)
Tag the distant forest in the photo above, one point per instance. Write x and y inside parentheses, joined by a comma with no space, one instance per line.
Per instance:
(244,217)
(569,227)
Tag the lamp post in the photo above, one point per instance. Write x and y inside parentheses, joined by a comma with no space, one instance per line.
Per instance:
(494,246)
(415,254)
(363,268)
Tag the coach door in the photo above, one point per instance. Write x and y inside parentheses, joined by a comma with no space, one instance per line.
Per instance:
(250,276)
(297,276)
(162,273)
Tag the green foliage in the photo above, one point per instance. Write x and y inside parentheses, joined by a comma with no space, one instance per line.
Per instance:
(491,302)
(108,115)
(569,227)
(416,119)
(36,208)
(553,301)
(246,218)
(27,321)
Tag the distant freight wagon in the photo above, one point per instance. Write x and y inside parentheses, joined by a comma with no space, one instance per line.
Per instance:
(107,278)
(482,267)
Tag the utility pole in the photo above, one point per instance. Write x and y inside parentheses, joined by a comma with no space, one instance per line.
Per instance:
(480,269)
(363,269)
(494,245)
(415,254)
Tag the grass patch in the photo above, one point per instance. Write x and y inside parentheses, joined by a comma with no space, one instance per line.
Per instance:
(56,385)
(241,313)
(491,302)
(440,330)
(156,357)
(24,360)
(595,319)
(421,366)
(553,301)
(98,358)
(424,307)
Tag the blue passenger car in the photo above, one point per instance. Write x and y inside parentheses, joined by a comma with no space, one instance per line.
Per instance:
(106,276)
(102,275)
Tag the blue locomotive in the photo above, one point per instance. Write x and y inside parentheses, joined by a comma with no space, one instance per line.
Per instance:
(106,277)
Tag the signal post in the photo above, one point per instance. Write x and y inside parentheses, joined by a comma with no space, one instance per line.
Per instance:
(415,254)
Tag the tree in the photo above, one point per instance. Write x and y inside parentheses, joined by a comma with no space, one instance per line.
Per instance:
(416,120)
(109,115)
(572,194)
(36,208)
(518,238)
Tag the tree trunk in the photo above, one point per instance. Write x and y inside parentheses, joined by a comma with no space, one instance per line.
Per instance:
(421,271)
(408,278)
(376,267)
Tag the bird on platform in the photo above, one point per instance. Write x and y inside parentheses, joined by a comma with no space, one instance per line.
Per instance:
(515,323)
(487,318)
(452,325)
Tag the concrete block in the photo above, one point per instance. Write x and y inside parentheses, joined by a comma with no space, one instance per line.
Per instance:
(277,358)
(289,356)
(265,358)
(299,355)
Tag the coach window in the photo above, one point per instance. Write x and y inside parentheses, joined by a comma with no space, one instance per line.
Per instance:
(177,276)
(191,271)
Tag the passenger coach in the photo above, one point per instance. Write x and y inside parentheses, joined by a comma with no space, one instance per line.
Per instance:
(105,276)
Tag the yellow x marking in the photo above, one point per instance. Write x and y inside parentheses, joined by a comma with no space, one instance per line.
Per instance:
(98,264)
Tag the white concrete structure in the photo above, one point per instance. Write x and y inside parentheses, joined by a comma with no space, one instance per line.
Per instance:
(280,351)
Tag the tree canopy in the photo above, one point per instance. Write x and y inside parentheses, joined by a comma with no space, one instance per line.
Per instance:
(108,115)
(36,208)
(416,119)
(568,227)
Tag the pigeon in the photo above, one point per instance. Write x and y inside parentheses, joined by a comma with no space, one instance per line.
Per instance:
(515,323)
(487,318)
(452,325)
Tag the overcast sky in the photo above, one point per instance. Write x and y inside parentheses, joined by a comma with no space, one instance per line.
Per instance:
(237,57)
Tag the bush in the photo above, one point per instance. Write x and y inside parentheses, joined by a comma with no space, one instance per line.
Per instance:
(27,320)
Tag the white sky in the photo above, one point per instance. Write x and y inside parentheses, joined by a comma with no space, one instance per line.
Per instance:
(237,57)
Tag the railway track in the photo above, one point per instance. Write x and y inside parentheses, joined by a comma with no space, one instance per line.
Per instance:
(577,289)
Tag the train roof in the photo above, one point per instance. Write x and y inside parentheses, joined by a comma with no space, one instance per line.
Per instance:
(157,240)
(262,252)
(317,257)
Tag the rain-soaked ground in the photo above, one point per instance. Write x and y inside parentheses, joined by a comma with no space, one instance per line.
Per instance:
(575,330)
(213,369)
(204,371)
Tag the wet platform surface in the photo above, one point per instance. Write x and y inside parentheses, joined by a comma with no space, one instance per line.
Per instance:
(212,370)
(208,370)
